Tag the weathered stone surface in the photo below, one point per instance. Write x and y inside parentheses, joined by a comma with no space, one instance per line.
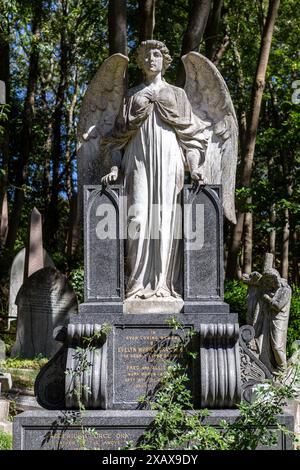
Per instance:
(136,351)
(203,250)
(91,386)
(5,381)
(5,425)
(2,350)
(269,299)
(210,100)
(47,430)
(99,109)
(154,305)
(45,301)
(253,371)
(34,259)
(17,279)
(220,365)
(104,257)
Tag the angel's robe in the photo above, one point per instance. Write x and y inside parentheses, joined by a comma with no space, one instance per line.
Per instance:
(155,128)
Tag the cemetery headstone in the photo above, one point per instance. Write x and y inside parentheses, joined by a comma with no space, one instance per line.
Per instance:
(34,259)
(45,302)
(17,279)
(2,350)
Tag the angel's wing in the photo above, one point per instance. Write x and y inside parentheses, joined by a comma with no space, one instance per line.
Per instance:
(100,106)
(210,100)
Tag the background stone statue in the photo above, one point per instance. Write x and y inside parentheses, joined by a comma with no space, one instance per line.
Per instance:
(269,298)
(152,133)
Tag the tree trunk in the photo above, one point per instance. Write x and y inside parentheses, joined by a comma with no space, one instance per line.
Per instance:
(285,245)
(70,125)
(248,240)
(286,230)
(221,51)
(117,27)
(27,125)
(272,236)
(192,38)
(147,18)
(250,138)
(212,29)
(5,77)
(4,149)
(295,251)
(52,220)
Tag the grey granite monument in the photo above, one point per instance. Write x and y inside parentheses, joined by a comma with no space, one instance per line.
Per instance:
(2,350)
(153,250)
(17,279)
(45,303)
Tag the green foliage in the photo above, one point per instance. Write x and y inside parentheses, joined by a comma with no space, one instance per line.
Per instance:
(174,427)
(294,322)
(5,441)
(76,280)
(235,293)
(177,425)
(18,363)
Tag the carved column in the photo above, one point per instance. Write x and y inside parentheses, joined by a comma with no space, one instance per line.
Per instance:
(220,365)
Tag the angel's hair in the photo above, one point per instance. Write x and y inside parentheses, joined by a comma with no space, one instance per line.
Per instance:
(152,44)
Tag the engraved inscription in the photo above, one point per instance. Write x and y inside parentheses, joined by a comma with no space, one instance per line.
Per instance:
(140,356)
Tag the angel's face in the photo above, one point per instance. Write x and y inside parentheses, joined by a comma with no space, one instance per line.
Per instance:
(153,61)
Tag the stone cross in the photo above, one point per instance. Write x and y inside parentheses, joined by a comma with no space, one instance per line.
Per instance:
(4,220)
(34,259)
(268,262)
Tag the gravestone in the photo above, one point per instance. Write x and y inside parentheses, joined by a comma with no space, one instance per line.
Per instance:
(2,350)
(45,302)
(131,360)
(34,259)
(129,346)
(17,279)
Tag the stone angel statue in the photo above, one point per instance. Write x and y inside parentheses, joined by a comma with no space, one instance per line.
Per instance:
(151,134)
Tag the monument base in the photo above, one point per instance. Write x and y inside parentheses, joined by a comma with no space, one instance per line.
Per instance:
(169,305)
(106,430)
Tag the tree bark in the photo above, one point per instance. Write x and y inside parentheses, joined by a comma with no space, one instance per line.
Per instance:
(52,219)
(272,236)
(192,38)
(295,251)
(70,125)
(248,240)
(250,138)
(27,125)
(285,245)
(5,77)
(147,18)
(117,27)
(212,29)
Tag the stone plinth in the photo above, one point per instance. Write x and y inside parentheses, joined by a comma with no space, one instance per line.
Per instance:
(47,430)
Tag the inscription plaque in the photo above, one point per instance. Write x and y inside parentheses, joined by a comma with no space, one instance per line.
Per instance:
(140,355)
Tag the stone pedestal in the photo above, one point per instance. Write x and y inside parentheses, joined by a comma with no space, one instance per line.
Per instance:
(47,430)
(131,359)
